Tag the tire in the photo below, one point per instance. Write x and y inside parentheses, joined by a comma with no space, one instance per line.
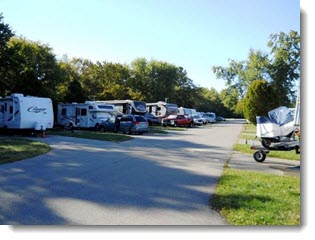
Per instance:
(259,156)
(71,128)
(266,142)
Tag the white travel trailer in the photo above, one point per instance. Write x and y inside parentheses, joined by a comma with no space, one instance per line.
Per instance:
(84,115)
(162,109)
(127,106)
(186,111)
(26,112)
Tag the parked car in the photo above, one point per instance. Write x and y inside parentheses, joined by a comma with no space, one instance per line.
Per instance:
(209,119)
(205,120)
(177,120)
(220,118)
(126,124)
(197,120)
(152,120)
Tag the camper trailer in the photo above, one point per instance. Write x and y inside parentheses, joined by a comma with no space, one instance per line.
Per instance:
(162,109)
(84,115)
(26,112)
(127,106)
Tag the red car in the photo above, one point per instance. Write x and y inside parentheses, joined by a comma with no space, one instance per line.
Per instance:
(177,120)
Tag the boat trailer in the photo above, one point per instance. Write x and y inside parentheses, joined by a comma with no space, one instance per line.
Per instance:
(261,152)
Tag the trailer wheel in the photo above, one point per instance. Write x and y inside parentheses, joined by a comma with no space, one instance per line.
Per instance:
(266,142)
(259,156)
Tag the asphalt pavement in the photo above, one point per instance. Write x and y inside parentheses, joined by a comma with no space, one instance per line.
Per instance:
(151,180)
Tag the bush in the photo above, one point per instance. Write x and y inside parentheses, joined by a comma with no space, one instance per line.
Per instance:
(259,99)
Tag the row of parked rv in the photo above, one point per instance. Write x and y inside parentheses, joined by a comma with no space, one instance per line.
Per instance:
(27,112)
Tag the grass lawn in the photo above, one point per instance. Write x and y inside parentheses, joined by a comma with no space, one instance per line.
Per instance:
(163,130)
(252,198)
(14,149)
(115,137)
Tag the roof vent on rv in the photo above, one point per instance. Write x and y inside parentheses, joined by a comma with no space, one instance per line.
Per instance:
(17,95)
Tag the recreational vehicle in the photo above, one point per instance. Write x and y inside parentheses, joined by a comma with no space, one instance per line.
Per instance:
(186,111)
(84,115)
(127,106)
(26,112)
(162,109)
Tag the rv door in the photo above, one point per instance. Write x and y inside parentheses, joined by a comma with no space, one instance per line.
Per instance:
(81,117)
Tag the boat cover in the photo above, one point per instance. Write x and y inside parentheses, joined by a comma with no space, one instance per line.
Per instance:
(281,115)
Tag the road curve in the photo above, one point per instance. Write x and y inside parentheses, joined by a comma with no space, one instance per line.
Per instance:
(150,180)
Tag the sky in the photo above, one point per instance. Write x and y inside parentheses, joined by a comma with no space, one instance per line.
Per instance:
(193,34)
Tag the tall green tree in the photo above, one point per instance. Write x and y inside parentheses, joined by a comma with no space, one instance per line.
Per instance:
(5,57)
(186,91)
(139,81)
(35,70)
(284,68)
(258,100)
(240,74)
(280,68)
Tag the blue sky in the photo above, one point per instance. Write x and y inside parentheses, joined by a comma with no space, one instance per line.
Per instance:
(193,34)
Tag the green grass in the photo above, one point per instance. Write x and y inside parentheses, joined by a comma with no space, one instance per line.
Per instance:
(252,198)
(249,128)
(14,149)
(163,130)
(115,137)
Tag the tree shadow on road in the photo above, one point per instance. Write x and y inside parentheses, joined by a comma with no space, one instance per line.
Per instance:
(76,181)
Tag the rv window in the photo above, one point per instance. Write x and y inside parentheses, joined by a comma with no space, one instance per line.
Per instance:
(2,108)
(63,111)
(90,107)
(11,109)
(83,112)
(106,107)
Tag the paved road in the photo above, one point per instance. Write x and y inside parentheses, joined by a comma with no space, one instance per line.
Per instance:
(151,180)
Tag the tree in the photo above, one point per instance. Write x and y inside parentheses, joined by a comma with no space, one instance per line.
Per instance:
(285,65)
(185,92)
(5,57)
(229,98)
(75,92)
(34,69)
(259,99)
(240,74)
(280,68)
(138,83)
